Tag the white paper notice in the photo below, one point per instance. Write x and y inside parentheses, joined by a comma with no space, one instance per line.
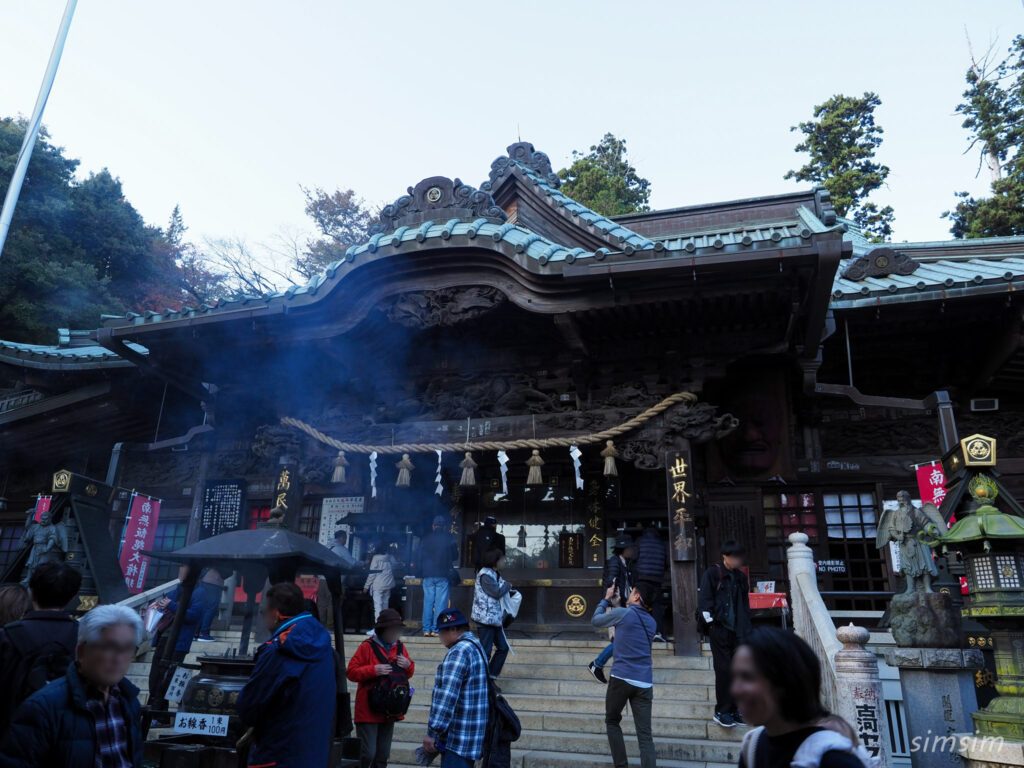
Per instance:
(196,722)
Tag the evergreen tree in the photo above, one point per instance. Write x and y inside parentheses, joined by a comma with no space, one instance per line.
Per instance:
(841,140)
(604,181)
(993,110)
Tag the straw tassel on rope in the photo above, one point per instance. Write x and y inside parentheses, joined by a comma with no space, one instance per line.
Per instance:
(610,454)
(405,468)
(535,462)
(468,471)
(340,464)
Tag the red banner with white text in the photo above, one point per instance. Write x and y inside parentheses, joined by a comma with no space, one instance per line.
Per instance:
(42,505)
(139,533)
(931,483)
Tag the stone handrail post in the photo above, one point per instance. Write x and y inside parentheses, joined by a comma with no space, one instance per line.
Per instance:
(851,687)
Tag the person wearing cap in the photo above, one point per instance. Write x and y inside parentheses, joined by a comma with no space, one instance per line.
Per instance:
(376,730)
(484,540)
(618,573)
(438,555)
(459,709)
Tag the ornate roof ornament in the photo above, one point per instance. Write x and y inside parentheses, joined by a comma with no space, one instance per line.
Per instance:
(523,153)
(437,197)
(879,262)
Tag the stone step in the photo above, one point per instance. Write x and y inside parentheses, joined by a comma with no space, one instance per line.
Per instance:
(577,684)
(403,756)
(667,725)
(425,672)
(555,656)
(668,748)
(594,705)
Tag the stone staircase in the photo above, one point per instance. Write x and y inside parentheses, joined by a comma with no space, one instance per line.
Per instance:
(561,706)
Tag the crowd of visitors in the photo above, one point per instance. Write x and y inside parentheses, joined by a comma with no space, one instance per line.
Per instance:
(67,701)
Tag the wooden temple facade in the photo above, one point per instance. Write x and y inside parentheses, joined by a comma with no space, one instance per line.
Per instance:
(824,368)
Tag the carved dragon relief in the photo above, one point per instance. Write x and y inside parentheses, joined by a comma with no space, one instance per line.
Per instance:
(444,307)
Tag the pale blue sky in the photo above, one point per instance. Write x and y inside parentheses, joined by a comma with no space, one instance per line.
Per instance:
(227,107)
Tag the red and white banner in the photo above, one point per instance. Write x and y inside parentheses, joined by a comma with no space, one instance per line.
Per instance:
(42,505)
(931,483)
(139,532)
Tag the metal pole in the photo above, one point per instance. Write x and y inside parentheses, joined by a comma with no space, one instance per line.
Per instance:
(32,129)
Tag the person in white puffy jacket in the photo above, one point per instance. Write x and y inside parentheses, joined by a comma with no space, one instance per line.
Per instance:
(487,612)
(381,580)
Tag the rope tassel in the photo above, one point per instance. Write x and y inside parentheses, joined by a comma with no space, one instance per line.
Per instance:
(535,462)
(405,468)
(468,471)
(340,464)
(610,454)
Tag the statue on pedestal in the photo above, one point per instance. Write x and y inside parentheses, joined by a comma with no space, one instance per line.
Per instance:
(902,526)
(47,542)
(919,617)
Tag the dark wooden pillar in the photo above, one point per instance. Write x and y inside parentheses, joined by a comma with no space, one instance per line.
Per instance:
(679,478)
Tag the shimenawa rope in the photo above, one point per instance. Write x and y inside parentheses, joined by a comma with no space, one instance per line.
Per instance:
(506,445)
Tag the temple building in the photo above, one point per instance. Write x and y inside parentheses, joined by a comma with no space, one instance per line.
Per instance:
(799,376)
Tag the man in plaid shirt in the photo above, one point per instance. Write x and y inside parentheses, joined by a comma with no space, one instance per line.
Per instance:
(459,709)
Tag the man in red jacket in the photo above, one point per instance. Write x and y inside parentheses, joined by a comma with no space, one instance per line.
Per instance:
(366,667)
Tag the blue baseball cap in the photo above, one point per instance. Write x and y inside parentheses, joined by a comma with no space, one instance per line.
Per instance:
(451,617)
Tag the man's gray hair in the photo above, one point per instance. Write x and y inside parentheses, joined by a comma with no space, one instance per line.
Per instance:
(91,626)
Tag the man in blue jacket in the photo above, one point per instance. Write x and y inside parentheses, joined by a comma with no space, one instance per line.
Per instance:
(632,677)
(90,718)
(160,676)
(289,699)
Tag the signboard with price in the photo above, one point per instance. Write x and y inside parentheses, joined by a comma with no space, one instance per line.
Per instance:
(196,722)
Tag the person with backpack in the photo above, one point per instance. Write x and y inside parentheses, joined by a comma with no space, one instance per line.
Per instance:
(38,649)
(289,699)
(776,681)
(632,677)
(461,704)
(488,612)
(381,667)
(724,606)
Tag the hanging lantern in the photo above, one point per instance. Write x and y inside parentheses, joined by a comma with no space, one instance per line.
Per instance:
(610,454)
(468,470)
(340,464)
(535,462)
(405,468)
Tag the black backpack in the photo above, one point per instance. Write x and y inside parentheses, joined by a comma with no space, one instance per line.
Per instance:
(503,726)
(389,695)
(40,663)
